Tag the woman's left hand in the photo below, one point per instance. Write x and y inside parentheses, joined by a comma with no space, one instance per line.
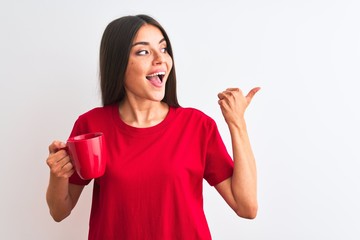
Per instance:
(240,190)
(233,103)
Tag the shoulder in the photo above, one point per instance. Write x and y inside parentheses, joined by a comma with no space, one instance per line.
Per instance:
(95,120)
(195,115)
(98,112)
(189,111)
(97,116)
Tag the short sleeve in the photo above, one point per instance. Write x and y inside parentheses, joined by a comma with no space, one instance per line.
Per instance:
(78,128)
(219,165)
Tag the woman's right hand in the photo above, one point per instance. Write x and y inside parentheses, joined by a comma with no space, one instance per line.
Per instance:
(61,196)
(59,161)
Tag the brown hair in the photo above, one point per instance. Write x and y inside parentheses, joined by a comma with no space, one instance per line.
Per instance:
(114,56)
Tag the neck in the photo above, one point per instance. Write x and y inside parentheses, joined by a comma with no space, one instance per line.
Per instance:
(146,114)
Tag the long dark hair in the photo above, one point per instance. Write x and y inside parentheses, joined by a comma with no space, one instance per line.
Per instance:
(114,56)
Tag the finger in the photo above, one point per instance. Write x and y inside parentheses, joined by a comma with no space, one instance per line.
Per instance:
(252,93)
(233,89)
(63,158)
(228,93)
(69,173)
(61,167)
(55,146)
(67,170)
(221,102)
(222,95)
(61,173)
(67,167)
(58,159)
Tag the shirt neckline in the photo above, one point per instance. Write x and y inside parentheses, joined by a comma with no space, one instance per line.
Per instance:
(130,130)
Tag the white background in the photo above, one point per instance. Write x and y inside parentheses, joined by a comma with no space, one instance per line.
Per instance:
(303,124)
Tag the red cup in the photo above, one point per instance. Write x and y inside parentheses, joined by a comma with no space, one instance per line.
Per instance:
(87,152)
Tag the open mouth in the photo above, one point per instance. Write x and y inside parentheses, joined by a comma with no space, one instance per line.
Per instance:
(156,77)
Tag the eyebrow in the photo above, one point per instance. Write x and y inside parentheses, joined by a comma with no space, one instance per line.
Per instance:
(146,43)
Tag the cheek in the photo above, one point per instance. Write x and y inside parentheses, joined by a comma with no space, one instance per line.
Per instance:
(129,73)
(132,69)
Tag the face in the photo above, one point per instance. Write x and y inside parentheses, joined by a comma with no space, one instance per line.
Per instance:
(149,65)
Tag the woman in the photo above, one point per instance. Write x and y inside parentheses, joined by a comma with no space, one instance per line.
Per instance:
(159,153)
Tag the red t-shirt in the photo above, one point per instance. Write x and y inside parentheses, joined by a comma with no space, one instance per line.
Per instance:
(153,184)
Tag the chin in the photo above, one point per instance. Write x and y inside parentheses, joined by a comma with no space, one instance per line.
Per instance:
(158,97)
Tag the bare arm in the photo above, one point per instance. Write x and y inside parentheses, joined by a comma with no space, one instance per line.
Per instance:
(239,191)
(61,196)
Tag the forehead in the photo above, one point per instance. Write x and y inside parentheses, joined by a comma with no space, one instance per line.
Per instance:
(148,33)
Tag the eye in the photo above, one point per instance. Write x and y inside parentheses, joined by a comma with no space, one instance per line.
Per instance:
(142,52)
(164,50)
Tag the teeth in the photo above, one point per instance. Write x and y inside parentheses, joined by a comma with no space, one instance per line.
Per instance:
(156,74)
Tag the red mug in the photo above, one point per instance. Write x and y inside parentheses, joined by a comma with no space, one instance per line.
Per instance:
(87,153)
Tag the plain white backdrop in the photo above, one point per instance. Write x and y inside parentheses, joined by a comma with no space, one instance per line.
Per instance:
(303,124)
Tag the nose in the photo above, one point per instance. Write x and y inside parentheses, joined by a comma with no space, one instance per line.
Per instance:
(159,58)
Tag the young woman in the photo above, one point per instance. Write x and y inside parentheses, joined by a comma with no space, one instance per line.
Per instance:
(159,153)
